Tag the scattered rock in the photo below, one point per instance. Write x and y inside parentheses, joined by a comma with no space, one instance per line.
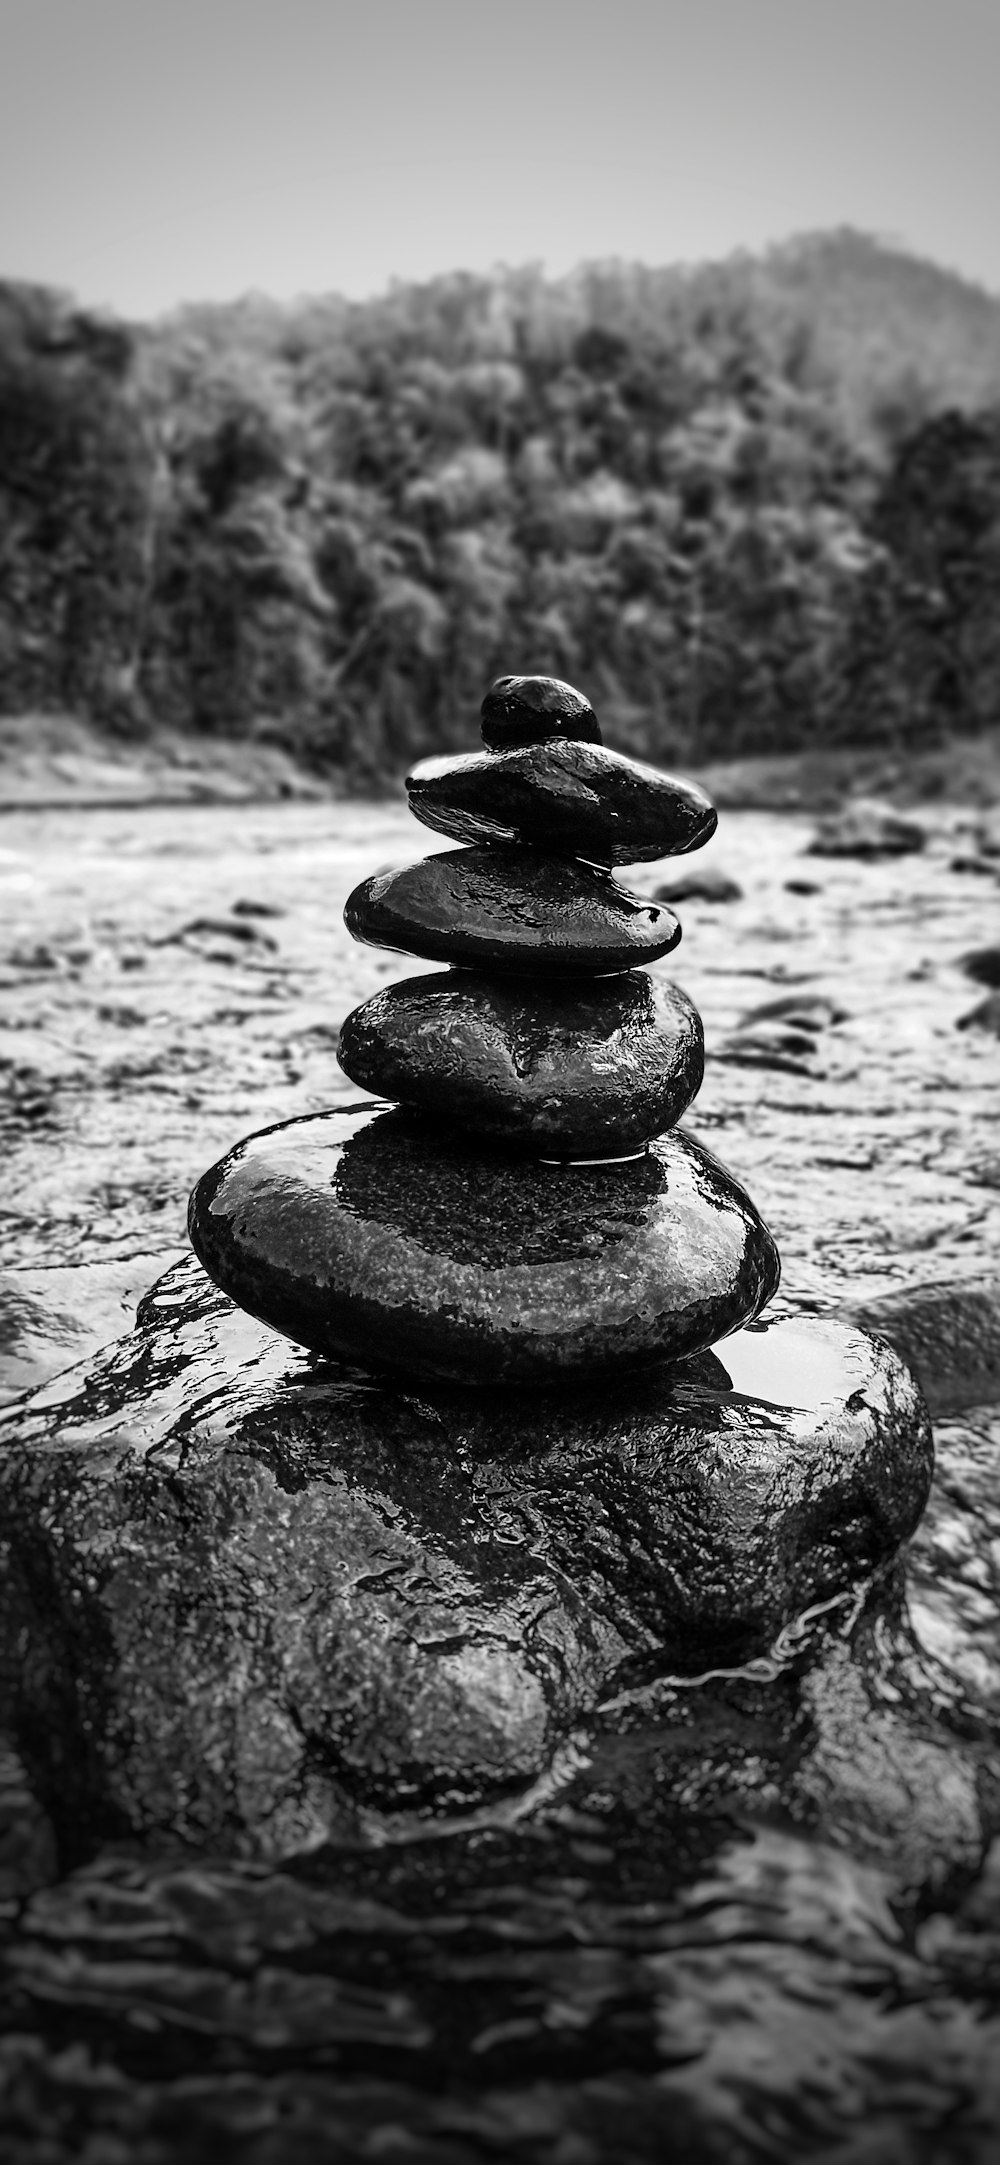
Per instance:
(984,1017)
(982,964)
(985,1173)
(986,867)
(813,1011)
(803,887)
(385,1238)
(783,1033)
(571,797)
(569,1069)
(199,929)
(504,908)
(866,828)
(947,1333)
(246,908)
(703,883)
(985,838)
(249,1599)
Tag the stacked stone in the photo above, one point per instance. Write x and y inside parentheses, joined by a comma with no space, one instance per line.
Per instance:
(528,1210)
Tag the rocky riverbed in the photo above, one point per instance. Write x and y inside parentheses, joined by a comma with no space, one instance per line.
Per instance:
(694,1929)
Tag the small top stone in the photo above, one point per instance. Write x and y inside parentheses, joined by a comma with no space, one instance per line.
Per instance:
(527,710)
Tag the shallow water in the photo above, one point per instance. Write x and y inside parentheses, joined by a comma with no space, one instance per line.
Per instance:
(680,1944)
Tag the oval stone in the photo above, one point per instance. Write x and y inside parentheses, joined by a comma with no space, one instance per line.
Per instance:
(578,1070)
(578,798)
(381,1236)
(525,710)
(511,909)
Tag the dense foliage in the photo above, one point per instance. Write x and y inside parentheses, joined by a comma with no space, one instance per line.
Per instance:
(746,508)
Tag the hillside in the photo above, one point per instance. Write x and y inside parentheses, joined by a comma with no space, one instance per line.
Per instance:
(750,506)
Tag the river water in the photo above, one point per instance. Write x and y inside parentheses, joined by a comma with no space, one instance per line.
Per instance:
(665,1954)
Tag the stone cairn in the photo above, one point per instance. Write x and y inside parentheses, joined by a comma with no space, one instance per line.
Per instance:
(526,1210)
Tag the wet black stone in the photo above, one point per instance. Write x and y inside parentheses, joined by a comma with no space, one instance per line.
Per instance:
(511,909)
(385,1238)
(577,798)
(564,1068)
(527,710)
(257,1600)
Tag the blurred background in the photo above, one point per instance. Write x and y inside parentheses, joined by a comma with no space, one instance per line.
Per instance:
(349,357)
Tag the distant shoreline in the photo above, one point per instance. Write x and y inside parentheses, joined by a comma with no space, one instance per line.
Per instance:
(59,763)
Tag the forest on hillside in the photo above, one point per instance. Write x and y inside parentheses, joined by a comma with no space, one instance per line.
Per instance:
(746,508)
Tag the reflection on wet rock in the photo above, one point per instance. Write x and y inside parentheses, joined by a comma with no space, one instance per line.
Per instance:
(576,798)
(252,1597)
(511,909)
(379,1236)
(568,1069)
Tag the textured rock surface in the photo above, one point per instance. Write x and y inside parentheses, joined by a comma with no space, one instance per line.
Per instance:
(526,710)
(249,1597)
(505,908)
(381,1236)
(567,1068)
(563,796)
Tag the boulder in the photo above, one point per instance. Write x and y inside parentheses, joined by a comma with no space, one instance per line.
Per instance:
(984,1016)
(259,1600)
(982,964)
(865,828)
(701,883)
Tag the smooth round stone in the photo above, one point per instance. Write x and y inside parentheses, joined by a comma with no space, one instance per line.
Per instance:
(379,1235)
(579,798)
(525,710)
(566,1069)
(511,909)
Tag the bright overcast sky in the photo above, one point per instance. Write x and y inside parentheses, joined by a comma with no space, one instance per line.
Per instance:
(159,150)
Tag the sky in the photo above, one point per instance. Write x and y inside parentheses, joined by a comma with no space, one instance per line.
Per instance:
(155,151)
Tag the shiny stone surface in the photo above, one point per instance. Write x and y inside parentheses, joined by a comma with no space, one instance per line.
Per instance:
(511,909)
(577,798)
(574,1069)
(383,1237)
(526,710)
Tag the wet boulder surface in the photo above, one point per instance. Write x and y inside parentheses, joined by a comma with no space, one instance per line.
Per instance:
(404,1773)
(251,1596)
